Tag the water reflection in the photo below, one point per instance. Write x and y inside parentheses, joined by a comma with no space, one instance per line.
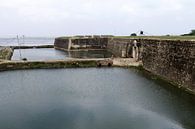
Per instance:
(90,54)
(92,98)
(53,54)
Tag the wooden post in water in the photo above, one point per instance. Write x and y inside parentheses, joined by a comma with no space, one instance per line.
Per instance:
(135,50)
(18,40)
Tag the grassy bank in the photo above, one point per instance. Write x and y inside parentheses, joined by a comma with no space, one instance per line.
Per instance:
(160,37)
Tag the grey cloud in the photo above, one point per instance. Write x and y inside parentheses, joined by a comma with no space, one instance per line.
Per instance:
(119,17)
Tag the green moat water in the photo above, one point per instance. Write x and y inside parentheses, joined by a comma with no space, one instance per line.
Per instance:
(92,98)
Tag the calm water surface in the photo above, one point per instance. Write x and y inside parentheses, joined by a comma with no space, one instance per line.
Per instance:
(53,54)
(106,98)
(39,54)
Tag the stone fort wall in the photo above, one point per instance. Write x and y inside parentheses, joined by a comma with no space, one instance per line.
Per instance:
(173,60)
(81,43)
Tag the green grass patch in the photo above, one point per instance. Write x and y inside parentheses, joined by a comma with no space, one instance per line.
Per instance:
(160,37)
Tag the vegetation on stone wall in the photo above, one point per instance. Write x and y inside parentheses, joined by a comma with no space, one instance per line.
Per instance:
(6,53)
(192,33)
(14,65)
(187,37)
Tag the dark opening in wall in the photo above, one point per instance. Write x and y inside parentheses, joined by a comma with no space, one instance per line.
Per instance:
(130,51)
(193,77)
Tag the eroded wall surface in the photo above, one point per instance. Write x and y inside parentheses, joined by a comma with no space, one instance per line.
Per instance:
(6,53)
(120,47)
(81,43)
(172,59)
(61,43)
(90,43)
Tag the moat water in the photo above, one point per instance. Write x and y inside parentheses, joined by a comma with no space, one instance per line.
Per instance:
(91,98)
(53,54)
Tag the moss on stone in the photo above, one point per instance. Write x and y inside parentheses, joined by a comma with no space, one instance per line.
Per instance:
(11,65)
(167,84)
(6,53)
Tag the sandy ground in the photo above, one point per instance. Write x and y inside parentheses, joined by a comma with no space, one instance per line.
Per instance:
(126,62)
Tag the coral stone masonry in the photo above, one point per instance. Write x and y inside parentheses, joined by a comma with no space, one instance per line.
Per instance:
(173,60)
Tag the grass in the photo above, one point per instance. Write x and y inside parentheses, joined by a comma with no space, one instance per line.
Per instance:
(149,37)
(160,37)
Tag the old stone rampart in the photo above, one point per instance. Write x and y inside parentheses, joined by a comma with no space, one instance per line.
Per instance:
(173,60)
(72,43)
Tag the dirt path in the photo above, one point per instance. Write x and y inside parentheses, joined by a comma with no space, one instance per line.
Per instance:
(126,62)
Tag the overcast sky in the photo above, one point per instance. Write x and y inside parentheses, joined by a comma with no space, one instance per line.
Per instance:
(116,17)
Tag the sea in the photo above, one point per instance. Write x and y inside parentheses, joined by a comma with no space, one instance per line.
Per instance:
(26,41)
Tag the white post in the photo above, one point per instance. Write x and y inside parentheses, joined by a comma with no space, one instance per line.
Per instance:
(137,53)
(135,49)
(133,54)
(23,39)
(69,44)
(19,47)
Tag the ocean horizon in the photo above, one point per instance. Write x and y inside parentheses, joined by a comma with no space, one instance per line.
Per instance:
(26,41)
